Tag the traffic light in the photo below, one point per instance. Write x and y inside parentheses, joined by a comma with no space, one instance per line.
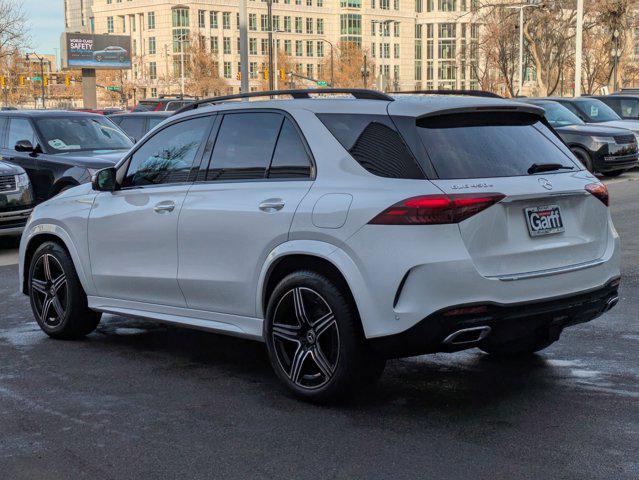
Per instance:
(45,79)
(282,74)
(3,81)
(67,80)
(21,80)
(265,74)
(239,75)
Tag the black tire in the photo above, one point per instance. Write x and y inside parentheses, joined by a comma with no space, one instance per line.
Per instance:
(324,366)
(58,300)
(616,173)
(523,347)
(584,158)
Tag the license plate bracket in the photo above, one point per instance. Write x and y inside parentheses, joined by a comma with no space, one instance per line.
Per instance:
(544,220)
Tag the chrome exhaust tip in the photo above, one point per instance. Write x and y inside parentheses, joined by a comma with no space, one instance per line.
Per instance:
(467,336)
(611,303)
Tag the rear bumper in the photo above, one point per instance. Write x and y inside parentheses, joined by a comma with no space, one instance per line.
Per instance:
(497,323)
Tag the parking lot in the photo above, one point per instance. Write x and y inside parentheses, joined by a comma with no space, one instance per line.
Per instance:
(138,399)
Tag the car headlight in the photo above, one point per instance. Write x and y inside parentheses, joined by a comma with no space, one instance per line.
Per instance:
(22,180)
(603,140)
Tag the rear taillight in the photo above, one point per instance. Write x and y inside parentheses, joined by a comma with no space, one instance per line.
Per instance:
(600,191)
(436,209)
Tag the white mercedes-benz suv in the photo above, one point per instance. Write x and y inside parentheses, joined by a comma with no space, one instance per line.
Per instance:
(339,231)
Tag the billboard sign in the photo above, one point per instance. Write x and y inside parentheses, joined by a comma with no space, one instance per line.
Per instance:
(86,50)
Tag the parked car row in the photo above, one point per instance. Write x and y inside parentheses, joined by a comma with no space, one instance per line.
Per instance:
(340,232)
(603,141)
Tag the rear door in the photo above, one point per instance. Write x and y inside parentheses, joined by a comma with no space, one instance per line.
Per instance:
(260,169)
(546,220)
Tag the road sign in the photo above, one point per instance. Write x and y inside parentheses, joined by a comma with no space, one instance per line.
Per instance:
(322,83)
(113,88)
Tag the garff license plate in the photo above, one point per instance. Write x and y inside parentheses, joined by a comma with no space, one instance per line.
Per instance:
(545,220)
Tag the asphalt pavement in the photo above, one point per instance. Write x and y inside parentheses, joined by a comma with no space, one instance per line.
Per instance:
(143,400)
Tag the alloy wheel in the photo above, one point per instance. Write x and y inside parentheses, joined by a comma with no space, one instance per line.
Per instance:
(49,290)
(305,338)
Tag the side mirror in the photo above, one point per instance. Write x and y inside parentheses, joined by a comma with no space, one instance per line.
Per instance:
(24,146)
(104,180)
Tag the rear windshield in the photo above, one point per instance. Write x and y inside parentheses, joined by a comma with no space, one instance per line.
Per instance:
(487,145)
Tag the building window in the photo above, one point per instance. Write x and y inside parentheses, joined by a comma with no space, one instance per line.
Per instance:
(180,17)
(396,50)
(226,20)
(384,4)
(153,70)
(252,46)
(213,19)
(309,70)
(447,5)
(110,28)
(276,22)
(227,69)
(320,26)
(152,46)
(288,47)
(351,3)
(264,46)
(309,25)
(396,29)
(150,20)
(215,46)
(351,28)
(201,18)
(309,48)
(253,70)
(287,24)
(298,24)
(299,48)
(320,48)
(226,45)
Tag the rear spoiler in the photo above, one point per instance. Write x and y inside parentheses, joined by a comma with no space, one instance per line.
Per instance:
(510,108)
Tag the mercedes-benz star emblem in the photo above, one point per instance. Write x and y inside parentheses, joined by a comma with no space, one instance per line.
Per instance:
(544,182)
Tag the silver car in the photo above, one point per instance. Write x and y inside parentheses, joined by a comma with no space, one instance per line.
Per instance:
(339,231)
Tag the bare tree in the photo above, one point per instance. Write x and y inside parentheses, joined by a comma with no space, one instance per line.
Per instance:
(349,66)
(202,70)
(13,30)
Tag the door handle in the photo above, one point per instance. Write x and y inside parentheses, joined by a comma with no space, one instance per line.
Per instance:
(272,205)
(164,207)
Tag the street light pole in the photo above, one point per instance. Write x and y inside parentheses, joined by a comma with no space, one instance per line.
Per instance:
(41,60)
(271,72)
(530,4)
(244,57)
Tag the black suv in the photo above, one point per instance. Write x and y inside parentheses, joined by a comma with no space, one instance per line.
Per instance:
(16,199)
(136,124)
(60,149)
(602,149)
(624,105)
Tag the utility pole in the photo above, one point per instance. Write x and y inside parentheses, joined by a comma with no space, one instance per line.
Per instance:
(579,46)
(529,4)
(271,71)
(244,58)
(616,53)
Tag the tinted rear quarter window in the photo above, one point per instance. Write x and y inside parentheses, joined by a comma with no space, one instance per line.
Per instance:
(290,159)
(488,145)
(373,141)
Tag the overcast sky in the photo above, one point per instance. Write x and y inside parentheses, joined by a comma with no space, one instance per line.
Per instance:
(45,23)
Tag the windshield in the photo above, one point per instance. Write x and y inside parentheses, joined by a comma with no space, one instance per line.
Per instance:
(63,134)
(596,110)
(559,116)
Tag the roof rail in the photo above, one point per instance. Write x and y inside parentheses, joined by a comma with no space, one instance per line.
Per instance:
(179,96)
(359,93)
(470,93)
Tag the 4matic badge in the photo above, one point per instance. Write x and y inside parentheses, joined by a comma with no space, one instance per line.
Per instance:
(466,186)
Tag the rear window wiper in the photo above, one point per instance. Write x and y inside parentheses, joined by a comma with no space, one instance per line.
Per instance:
(547,167)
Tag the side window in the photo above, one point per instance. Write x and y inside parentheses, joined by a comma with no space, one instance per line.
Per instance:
(290,159)
(629,108)
(20,129)
(373,141)
(169,155)
(244,146)
(133,126)
(573,109)
(155,121)
(615,104)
